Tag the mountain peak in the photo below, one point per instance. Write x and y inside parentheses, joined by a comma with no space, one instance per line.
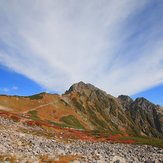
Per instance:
(125,98)
(142,100)
(81,87)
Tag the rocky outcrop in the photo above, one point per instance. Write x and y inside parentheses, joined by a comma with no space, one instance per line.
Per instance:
(144,114)
(125,101)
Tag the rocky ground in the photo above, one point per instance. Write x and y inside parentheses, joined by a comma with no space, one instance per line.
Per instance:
(19,145)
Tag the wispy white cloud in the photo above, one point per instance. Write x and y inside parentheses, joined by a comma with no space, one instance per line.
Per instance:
(9,89)
(4,90)
(115,45)
(14,88)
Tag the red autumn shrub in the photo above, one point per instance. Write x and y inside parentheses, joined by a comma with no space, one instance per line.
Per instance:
(128,141)
(30,123)
(15,118)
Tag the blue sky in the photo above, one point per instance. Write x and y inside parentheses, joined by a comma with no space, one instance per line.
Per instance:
(16,84)
(49,45)
(154,95)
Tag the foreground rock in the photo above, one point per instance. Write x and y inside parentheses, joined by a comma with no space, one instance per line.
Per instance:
(21,146)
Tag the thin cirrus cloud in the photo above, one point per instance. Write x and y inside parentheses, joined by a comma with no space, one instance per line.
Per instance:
(14,88)
(9,89)
(115,45)
(4,90)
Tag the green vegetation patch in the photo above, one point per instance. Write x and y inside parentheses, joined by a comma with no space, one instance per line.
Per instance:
(145,140)
(100,133)
(71,121)
(105,133)
(57,124)
(99,123)
(116,131)
(34,115)
(36,96)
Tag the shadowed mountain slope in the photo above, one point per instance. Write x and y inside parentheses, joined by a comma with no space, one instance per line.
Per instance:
(144,114)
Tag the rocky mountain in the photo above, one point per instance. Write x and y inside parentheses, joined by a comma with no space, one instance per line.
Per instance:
(144,114)
(101,111)
(85,124)
(85,107)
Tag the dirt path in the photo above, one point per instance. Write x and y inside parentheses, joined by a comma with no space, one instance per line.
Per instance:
(5,108)
(41,106)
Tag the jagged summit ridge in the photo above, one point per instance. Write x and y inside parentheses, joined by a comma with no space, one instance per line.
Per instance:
(125,98)
(82,87)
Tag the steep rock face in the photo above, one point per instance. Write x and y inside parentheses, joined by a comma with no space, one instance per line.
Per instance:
(160,115)
(125,101)
(101,110)
(144,115)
